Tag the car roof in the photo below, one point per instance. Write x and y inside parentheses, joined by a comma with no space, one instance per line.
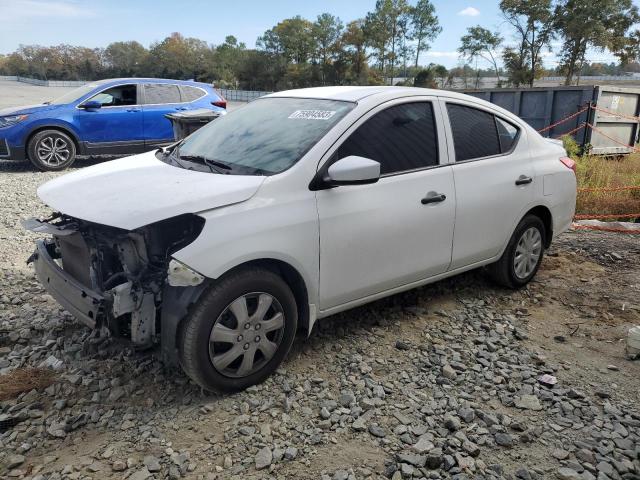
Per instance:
(377,94)
(108,81)
(357,93)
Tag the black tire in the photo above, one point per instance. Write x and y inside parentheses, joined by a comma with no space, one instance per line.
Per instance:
(211,308)
(61,146)
(503,272)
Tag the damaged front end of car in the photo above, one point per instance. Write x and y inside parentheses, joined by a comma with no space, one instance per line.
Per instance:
(123,280)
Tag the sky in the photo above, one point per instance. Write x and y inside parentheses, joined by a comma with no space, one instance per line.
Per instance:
(96,23)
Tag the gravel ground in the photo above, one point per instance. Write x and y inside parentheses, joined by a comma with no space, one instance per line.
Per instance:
(439,382)
(16,93)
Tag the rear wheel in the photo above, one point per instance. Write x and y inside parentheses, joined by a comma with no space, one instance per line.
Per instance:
(523,255)
(51,150)
(240,331)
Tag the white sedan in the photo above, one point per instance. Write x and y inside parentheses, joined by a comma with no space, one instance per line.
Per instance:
(297,206)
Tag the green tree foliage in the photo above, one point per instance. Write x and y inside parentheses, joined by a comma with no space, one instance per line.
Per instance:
(481,43)
(291,39)
(180,57)
(354,51)
(516,63)
(127,59)
(600,24)
(533,23)
(327,30)
(425,26)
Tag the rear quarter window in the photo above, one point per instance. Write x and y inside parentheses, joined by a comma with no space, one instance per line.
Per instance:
(189,94)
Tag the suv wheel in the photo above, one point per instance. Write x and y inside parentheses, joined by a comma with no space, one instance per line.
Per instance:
(240,331)
(523,255)
(51,150)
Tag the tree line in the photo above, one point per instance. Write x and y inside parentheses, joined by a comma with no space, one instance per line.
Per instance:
(386,43)
(579,26)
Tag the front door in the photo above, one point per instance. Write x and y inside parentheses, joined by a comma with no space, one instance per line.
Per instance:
(399,230)
(116,127)
(494,182)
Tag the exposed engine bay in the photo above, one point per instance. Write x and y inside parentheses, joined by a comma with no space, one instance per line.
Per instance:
(115,278)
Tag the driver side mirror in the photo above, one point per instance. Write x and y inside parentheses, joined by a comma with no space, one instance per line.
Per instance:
(351,170)
(91,105)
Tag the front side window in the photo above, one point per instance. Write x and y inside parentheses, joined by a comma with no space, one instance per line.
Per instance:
(159,93)
(400,138)
(117,96)
(474,132)
(264,137)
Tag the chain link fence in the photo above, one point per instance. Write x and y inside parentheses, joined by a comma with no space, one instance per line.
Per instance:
(241,95)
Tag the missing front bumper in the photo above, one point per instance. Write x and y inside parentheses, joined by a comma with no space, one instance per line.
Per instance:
(83,303)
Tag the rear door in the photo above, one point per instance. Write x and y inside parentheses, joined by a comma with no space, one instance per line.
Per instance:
(494,179)
(116,127)
(159,100)
(392,233)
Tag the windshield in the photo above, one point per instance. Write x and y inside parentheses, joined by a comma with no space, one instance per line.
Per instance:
(74,94)
(266,136)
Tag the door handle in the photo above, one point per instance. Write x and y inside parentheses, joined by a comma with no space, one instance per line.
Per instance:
(433,197)
(132,110)
(523,180)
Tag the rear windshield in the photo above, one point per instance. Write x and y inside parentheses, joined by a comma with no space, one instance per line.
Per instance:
(266,136)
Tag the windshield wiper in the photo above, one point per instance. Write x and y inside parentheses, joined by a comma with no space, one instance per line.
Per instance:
(210,162)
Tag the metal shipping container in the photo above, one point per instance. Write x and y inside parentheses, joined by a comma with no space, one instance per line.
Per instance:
(542,107)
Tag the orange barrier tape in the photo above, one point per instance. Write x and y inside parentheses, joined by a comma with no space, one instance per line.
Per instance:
(571,132)
(615,114)
(589,216)
(604,229)
(609,189)
(562,120)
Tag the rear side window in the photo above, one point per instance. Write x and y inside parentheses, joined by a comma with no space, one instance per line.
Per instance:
(475,134)
(507,133)
(401,138)
(189,94)
(155,93)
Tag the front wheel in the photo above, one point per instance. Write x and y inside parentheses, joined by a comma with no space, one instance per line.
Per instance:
(51,150)
(240,331)
(523,255)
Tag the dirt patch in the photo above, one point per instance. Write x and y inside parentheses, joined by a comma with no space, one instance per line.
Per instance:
(23,380)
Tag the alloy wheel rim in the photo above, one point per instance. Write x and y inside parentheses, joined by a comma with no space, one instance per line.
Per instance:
(53,150)
(246,335)
(527,253)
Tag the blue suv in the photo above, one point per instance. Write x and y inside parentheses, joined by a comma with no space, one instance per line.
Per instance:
(107,117)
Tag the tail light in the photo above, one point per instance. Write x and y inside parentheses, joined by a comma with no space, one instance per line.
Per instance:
(222,103)
(569,163)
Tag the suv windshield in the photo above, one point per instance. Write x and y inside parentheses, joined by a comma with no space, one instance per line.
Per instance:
(74,94)
(265,137)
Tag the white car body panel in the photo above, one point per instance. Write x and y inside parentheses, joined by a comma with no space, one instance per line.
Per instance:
(350,244)
(486,196)
(135,191)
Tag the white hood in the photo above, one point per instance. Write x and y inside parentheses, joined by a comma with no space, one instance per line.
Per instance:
(135,191)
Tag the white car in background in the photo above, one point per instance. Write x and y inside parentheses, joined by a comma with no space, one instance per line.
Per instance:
(297,206)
